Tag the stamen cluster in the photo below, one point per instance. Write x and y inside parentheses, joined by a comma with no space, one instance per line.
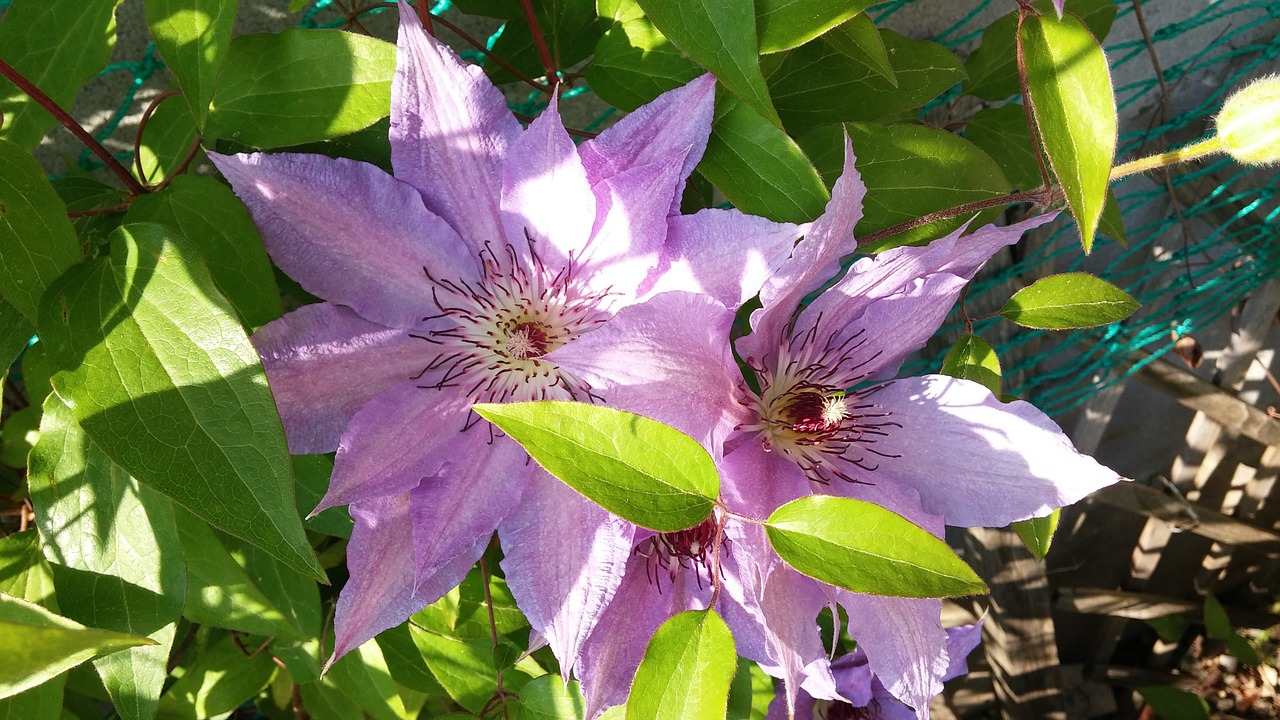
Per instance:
(692,548)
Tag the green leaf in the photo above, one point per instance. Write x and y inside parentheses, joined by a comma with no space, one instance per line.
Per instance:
(865,548)
(1168,628)
(1216,622)
(550,698)
(1170,703)
(570,29)
(300,86)
(37,242)
(911,171)
(1111,223)
(15,334)
(168,136)
(860,41)
(82,193)
(218,681)
(363,675)
(818,84)
(1002,133)
(993,67)
(118,564)
(161,376)
(1071,98)
(43,702)
(312,473)
(973,358)
(751,693)
(324,701)
(40,645)
(464,668)
(1037,533)
(637,468)
(192,37)
(1242,650)
(211,217)
(24,573)
(686,670)
(59,45)
(785,24)
(219,593)
(297,595)
(463,613)
(18,435)
(405,662)
(759,167)
(1069,300)
(635,63)
(721,37)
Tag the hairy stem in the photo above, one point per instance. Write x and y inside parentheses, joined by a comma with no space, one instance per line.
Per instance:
(46,102)
(1194,151)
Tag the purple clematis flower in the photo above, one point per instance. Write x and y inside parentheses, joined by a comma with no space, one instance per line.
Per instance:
(458,280)
(862,695)
(934,449)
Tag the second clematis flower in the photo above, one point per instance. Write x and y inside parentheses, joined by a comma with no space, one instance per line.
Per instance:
(823,414)
(454,282)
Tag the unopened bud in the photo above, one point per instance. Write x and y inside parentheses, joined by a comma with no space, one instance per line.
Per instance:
(1249,124)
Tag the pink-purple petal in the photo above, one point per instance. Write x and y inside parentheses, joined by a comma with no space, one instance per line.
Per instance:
(816,259)
(564,557)
(678,120)
(324,362)
(348,232)
(978,461)
(723,253)
(961,641)
(479,484)
(380,591)
(404,434)
(450,130)
(904,642)
(545,192)
(667,359)
(631,228)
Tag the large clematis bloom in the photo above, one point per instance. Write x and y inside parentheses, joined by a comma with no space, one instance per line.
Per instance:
(456,281)
(934,449)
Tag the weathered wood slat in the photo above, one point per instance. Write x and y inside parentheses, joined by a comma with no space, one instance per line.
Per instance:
(1146,606)
(1207,523)
(1218,404)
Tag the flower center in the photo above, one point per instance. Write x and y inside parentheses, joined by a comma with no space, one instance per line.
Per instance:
(673,552)
(804,412)
(495,332)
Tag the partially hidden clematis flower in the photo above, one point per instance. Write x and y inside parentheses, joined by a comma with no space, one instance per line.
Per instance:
(862,695)
(455,281)
(825,417)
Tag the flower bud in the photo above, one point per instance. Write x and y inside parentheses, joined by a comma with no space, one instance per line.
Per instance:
(1249,124)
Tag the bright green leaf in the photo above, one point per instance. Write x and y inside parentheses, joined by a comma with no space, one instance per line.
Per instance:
(219,593)
(18,435)
(1074,106)
(1002,133)
(1037,533)
(549,698)
(686,670)
(297,595)
(363,675)
(818,84)
(759,167)
(860,41)
(40,645)
(785,24)
(865,548)
(1069,300)
(405,662)
(211,217)
(1111,223)
(168,136)
(464,668)
(637,468)
(1170,703)
(59,45)
(42,702)
(913,170)
(82,193)
(192,37)
(463,612)
(162,377)
(324,701)
(300,86)
(973,358)
(218,681)
(634,63)
(993,67)
(118,563)
(15,334)
(24,573)
(37,242)
(721,37)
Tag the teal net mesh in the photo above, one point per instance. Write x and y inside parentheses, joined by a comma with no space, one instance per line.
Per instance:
(1185,281)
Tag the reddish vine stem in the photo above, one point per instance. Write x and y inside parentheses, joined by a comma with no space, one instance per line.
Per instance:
(540,42)
(716,547)
(142,126)
(46,102)
(182,168)
(572,131)
(424,14)
(493,631)
(111,210)
(1026,96)
(1041,197)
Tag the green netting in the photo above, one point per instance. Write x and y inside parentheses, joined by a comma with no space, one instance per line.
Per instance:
(1184,287)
